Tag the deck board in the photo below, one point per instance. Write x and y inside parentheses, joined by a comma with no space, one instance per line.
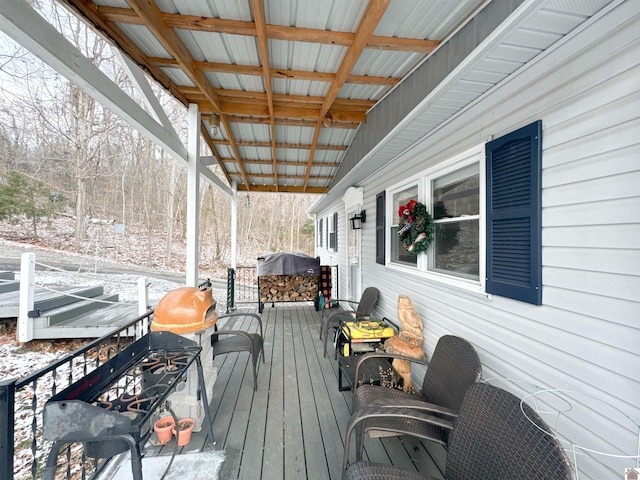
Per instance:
(293,426)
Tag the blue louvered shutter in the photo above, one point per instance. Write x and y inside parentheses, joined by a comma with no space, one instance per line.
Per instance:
(514,260)
(380,221)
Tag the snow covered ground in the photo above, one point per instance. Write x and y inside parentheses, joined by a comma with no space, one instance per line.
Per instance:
(19,360)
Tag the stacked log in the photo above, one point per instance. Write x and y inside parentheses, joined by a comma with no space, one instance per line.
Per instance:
(288,288)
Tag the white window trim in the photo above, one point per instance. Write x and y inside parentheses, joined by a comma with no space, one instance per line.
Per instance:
(472,155)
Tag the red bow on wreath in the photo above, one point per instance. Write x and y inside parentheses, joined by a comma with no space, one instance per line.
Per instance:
(406,211)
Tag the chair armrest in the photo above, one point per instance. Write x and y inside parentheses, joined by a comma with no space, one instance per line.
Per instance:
(338,300)
(242,314)
(242,333)
(367,356)
(417,405)
(372,413)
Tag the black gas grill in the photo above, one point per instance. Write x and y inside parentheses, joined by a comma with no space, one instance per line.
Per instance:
(109,410)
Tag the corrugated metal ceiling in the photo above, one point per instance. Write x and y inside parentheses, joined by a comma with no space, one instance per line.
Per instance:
(290,80)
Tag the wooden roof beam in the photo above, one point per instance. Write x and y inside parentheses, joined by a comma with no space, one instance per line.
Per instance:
(226,95)
(263,49)
(284,163)
(370,19)
(236,69)
(294,177)
(298,146)
(173,44)
(122,41)
(257,109)
(278,32)
(283,189)
(288,122)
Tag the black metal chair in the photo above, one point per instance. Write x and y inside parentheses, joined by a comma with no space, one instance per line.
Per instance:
(363,308)
(453,367)
(495,436)
(240,341)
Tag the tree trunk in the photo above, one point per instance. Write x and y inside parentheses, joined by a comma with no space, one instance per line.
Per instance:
(170,213)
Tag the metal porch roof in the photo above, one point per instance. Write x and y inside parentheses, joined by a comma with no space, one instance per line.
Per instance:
(288,82)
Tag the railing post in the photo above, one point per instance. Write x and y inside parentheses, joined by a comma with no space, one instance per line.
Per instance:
(24,330)
(231,289)
(143,304)
(7,427)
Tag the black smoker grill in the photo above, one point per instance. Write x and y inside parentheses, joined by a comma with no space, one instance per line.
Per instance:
(109,410)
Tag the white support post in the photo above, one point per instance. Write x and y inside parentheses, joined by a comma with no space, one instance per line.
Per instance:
(193,196)
(143,301)
(234,225)
(24,329)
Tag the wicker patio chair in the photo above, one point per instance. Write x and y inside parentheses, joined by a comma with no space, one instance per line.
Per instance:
(363,308)
(240,341)
(453,367)
(495,436)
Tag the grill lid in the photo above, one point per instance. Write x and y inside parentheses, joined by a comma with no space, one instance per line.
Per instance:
(185,310)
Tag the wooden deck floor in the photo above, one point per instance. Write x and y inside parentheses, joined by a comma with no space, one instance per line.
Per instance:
(293,426)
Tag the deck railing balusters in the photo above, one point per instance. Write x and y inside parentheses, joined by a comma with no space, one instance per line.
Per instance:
(243,285)
(12,390)
(34,429)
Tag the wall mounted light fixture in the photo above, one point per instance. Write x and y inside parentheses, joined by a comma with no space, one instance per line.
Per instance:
(358,219)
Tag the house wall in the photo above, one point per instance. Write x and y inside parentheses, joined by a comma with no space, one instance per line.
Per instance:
(586,335)
(337,257)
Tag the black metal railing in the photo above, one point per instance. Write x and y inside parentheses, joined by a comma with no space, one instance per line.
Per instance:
(242,286)
(23,451)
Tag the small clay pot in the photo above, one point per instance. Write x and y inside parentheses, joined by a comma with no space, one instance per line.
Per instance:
(164,429)
(183,432)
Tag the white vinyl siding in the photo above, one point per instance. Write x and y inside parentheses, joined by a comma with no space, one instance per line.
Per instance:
(586,334)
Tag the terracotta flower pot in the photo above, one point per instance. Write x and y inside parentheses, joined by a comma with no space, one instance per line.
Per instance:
(183,433)
(164,429)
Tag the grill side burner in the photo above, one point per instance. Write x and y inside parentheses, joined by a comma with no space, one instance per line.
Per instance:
(109,409)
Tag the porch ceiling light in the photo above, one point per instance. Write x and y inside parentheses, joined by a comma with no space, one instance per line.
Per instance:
(214,123)
(358,219)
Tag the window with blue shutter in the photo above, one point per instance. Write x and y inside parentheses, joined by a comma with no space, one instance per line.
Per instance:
(513,213)
(380,233)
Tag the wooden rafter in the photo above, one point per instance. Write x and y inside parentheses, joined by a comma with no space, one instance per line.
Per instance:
(370,19)
(288,122)
(267,106)
(283,189)
(276,32)
(112,31)
(298,146)
(227,95)
(259,109)
(263,49)
(294,177)
(288,163)
(237,69)
(152,15)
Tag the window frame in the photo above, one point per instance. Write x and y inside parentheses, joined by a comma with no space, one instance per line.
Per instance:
(422,180)
(333,232)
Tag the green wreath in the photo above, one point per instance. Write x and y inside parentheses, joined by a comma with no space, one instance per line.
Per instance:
(416,227)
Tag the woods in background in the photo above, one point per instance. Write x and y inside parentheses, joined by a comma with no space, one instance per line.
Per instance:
(58,141)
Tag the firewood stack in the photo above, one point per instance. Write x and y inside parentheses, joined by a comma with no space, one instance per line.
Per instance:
(288,288)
